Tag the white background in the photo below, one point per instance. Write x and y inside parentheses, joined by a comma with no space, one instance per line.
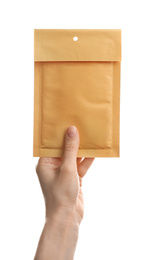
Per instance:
(113,227)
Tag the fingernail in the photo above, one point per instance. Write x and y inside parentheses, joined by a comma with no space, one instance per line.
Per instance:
(71,131)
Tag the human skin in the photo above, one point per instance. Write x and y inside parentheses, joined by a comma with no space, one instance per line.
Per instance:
(61,184)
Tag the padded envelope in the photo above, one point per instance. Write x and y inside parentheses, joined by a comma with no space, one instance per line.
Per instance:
(77,83)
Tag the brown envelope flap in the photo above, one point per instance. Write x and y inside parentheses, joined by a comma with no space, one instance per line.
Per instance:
(92,45)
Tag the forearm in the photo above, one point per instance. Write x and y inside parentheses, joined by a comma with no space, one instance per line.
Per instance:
(59,238)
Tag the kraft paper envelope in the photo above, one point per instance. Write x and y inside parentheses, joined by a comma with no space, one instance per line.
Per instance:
(77,82)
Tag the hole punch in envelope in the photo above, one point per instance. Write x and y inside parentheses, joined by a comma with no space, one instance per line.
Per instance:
(77,82)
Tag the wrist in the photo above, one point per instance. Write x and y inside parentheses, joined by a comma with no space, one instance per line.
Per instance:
(63,228)
(59,236)
(62,216)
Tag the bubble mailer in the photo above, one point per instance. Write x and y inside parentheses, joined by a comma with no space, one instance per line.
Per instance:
(77,82)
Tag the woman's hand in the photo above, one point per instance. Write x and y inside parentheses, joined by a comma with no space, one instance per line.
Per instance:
(61,183)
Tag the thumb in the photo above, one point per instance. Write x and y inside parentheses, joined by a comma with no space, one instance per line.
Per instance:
(71,146)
